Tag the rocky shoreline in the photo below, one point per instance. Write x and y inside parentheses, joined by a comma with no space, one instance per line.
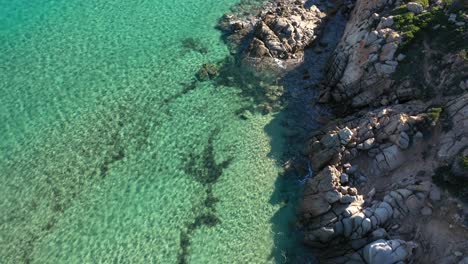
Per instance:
(397,81)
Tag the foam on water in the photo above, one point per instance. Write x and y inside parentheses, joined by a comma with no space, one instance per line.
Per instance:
(110,152)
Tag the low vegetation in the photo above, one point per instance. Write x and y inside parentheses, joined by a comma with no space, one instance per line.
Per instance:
(427,38)
(412,26)
(464,162)
(434,113)
(457,186)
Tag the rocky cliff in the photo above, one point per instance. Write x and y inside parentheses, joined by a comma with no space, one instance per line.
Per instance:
(390,181)
(373,199)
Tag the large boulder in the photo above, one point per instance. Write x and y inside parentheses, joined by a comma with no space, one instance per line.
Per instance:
(389,159)
(415,7)
(456,139)
(387,251)
(320,159)
(345,135)
(388,51)
(314,205)
(318,192)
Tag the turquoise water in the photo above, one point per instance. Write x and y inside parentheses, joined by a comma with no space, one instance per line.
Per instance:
(110,152)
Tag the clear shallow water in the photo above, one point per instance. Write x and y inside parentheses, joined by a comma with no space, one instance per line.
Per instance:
(109,153)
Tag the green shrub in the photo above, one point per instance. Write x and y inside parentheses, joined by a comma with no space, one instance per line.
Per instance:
(464,54)
(457,186)
(464,162)
(424,3)
(411,26)
(400,10)
(434,113)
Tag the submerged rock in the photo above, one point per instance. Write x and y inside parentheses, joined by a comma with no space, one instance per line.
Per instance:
(207,72)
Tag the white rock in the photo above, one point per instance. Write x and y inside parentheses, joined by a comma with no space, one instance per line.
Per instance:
(385,69)
(375,16)
(344,178)
(452,18)
(382,214)
(463,85)
(345,135)
(367,144)
(366,225)
(379,233)
(385,252)
(388,51)
(435,194)
(384,32)
(414,7)
(352,169)
(419,135)
(333,196)
(371,37)
(385,22)
(394,37)
(426,211)
(403,140)
(346,199)
(330,140)
(373,58)
(389,159)
(401,57)
(356,37)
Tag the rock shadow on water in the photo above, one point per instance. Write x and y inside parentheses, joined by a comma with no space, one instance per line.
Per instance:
(288,95)
(287,193)
(289,132)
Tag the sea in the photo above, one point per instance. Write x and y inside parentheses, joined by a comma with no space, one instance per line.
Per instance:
(112,151)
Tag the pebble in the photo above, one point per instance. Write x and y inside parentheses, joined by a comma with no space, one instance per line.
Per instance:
(347,199)
(352,169)
(435,194)
(344,178)
(452,18)
(379,233)
(426,211)
(352,191)
(401,57)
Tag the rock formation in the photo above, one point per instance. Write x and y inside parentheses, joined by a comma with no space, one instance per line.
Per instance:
(281,30)
(372,198)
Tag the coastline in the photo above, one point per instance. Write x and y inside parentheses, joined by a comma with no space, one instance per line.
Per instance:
(329,132)
(373,196)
